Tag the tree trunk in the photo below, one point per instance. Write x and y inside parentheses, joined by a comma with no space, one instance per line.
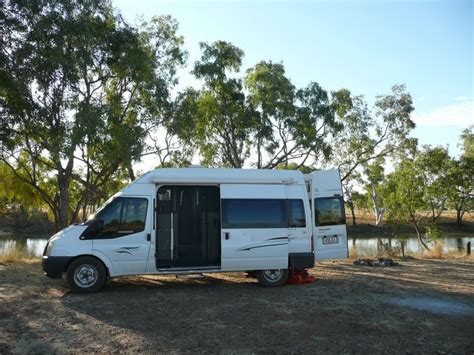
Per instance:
(378,210)
(458,216)
(63,210)
(351,206)
(418,234)
(131,173)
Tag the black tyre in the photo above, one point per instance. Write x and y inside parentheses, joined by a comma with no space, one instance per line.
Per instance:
(86,275)
(272,278)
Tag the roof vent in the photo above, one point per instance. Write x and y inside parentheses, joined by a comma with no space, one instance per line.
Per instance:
(196,166)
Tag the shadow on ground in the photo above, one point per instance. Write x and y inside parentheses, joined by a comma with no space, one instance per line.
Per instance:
(348,309)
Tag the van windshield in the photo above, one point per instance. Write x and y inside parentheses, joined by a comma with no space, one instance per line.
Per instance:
(92,216)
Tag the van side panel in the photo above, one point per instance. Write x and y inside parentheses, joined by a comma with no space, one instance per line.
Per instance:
(252,236)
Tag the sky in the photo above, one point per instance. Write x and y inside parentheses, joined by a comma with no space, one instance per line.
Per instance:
(364,46)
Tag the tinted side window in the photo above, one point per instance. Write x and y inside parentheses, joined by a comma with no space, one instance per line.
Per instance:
(133,215)
(329,211)
(254,213)
(110,218)
(296,215)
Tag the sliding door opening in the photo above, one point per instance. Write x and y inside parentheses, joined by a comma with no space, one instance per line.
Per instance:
(188,227)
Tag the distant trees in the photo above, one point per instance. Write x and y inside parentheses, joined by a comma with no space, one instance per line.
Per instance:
(460,178)
(421,188)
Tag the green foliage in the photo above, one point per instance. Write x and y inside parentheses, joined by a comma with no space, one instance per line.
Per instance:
(229,118)
(460,186)
(432,232)
(403,196)
(366,136)
(79,90)
(16,194)
(294,166)
(467,138)
(433,165)
(215,119)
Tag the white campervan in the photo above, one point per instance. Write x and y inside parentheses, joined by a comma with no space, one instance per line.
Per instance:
(195,220)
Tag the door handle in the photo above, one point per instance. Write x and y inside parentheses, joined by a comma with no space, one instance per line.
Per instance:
(148,237)
(226,235)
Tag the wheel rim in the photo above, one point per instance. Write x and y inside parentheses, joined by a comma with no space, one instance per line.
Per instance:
(85,275)
(273,275)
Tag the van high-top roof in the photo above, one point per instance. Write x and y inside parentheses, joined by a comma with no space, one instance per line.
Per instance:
(229,176)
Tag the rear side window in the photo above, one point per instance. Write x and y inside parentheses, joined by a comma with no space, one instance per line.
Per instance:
(329,211)
(122,216)
(296,215)
(254,213)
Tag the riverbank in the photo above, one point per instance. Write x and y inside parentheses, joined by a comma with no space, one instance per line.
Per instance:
(422,306)
(35,225)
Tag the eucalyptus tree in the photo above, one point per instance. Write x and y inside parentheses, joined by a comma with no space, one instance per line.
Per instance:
(79,88)
(370,135)
(433,165)
(293,125)
(460,183)
(461,177)
(404,190)
(262,119)
(467,138)
(374,175)
(215,119)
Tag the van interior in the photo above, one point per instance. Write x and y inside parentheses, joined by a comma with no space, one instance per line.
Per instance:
(188,227)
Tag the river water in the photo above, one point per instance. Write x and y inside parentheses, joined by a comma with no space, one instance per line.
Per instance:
(364,245)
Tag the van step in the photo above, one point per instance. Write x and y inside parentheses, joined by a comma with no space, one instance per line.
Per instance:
(190,276)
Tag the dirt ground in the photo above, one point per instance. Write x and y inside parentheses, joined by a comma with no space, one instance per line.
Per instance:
(422,306)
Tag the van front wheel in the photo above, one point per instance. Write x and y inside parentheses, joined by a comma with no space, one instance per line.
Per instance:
(272,278)
(85,275)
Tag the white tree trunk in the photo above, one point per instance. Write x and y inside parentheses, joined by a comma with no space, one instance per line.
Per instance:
(378,210)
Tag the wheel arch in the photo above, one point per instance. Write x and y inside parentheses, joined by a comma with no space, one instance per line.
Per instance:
(106,267)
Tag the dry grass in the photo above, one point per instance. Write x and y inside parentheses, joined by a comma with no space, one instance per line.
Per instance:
(436,252)
(17,255)
(367,217)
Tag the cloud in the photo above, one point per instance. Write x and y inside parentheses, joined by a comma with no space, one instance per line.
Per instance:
(458,114)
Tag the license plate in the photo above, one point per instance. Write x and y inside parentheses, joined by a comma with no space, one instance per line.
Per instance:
(330,239)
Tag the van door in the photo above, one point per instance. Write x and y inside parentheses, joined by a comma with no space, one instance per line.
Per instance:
(299,220)
(254,227)
(125,233)
(329,221)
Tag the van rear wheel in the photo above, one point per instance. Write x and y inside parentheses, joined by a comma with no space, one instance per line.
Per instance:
(272,278)
(85,275)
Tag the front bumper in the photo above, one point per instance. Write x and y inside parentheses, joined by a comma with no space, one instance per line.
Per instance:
(54,266)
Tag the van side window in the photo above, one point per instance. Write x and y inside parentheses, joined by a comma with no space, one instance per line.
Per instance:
(296,214)
(329,211)
(254,213)
(122,216)
(133,215)
(109,218)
